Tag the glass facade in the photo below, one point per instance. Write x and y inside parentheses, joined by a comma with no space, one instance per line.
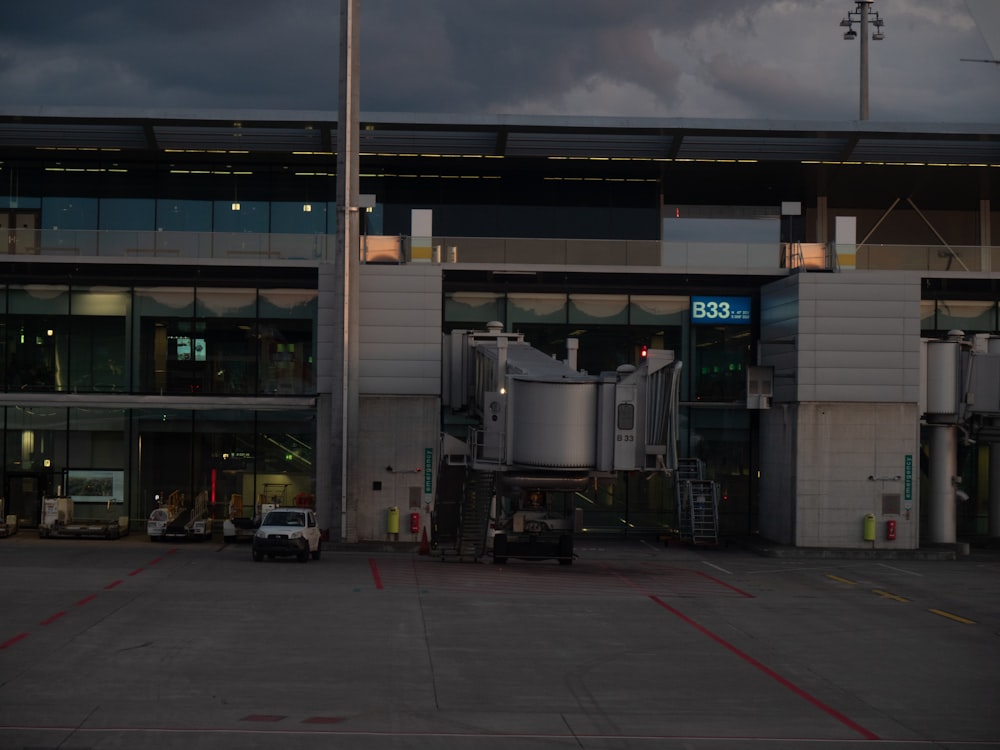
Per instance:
(121,341)
(209,340)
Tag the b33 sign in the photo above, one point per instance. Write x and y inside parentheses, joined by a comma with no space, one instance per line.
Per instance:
(720,310)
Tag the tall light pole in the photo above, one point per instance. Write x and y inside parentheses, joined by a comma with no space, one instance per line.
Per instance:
(863,14)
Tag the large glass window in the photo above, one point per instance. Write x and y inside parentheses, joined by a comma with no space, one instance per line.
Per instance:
(224,457)
(286,336)
(173,215)
(68,224)
(301,217)
(721,356)
(241,216)
(535,308)
(286,458)
(473,309)
(167,341)
(35,456)
(97,451)
(216,340)
(166,445)
(184,229)
(37,338)
(223,354)
(98,345)
(36,439)
(965,315)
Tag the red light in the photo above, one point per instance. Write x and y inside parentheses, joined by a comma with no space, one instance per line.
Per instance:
(644,352)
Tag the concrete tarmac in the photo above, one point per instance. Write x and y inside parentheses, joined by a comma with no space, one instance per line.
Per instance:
(134,644)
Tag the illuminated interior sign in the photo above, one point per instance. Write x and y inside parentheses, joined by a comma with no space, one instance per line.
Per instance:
(720,310)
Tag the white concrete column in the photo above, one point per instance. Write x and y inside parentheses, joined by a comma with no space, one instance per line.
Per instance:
(941,513)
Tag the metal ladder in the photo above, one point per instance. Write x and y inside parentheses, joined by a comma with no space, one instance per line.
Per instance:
(697,503)
(698,511)
(470,542)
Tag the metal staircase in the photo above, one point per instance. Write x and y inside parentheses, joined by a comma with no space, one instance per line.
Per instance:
(697,503)
(470,542)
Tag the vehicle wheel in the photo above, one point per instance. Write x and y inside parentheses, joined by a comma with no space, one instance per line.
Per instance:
(304,556)
(500,549)
(257,556)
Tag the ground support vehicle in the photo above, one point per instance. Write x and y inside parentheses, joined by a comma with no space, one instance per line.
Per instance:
(536,519)
(239,529)
(58,521)
(539,433)
(177,521)
(287,532)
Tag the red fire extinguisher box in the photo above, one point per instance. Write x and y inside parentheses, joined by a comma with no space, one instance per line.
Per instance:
(890,530)
(414,523)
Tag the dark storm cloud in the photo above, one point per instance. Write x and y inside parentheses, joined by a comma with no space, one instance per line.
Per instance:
(703,58)
(473,59)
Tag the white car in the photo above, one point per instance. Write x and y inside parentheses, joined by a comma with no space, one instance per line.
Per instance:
(287,532)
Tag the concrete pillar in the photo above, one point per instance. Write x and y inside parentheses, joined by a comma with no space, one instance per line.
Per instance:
(941,512)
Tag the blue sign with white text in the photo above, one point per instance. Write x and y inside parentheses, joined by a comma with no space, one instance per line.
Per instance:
(720,310)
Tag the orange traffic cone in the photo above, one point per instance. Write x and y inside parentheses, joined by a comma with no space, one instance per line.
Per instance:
(425,547)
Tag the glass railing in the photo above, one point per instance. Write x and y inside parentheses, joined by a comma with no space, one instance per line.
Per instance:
(717,257)
(245,246)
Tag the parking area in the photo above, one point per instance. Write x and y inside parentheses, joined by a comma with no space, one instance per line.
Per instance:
(108,644)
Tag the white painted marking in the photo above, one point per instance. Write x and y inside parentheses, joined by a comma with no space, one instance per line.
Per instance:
(717,567)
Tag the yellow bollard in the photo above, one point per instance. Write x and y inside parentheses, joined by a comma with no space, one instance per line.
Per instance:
(392,520)
(869,527)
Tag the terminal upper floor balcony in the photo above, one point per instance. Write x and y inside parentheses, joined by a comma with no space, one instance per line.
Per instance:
(685,257)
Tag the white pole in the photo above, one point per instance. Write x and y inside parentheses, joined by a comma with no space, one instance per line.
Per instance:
(863,8)
(348,241)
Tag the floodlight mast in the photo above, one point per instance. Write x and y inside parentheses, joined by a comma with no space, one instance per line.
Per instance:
(863,14)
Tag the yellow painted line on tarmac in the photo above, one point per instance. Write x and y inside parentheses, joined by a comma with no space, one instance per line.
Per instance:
(950,616)
(838,579)
(887,595)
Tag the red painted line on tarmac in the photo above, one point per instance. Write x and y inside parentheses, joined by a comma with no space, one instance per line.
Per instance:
(51,619)
(154,561)
(729,586)
(375,574)
(88,598)
(11,641)
(135,572)
(853,725)
(113,584)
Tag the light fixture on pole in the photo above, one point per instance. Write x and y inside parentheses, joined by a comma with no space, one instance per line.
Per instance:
(863,15)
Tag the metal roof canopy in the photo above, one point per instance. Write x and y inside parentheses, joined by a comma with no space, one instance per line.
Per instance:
(278,132)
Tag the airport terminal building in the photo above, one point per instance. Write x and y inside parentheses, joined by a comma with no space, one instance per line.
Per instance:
(169,308)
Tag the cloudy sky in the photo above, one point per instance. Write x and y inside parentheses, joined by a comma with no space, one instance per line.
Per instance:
(756,59)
